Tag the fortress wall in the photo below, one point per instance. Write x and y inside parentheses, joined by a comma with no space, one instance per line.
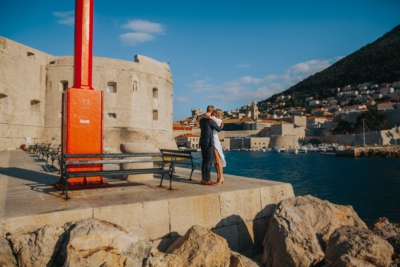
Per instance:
(133,102)
(22,93)
(141,115)
(283,141)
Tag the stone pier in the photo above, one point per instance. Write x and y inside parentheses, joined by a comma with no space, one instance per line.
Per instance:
(371,152)
(237,210)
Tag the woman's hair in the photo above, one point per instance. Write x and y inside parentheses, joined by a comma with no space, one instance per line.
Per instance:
(220,113)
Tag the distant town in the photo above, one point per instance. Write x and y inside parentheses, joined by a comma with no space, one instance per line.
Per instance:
(272,124)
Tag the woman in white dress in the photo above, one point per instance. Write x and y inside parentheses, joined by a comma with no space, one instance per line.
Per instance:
(220,162)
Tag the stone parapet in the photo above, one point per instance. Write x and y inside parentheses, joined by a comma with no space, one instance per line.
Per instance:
(238,210)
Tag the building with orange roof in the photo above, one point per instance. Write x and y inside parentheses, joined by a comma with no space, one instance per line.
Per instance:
(188,140)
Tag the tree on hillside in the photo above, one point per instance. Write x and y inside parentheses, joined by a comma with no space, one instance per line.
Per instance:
(344,127)
(374,120)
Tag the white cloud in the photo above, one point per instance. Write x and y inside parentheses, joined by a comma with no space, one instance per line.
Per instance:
(65,18)
(144,26)
(200,86)
(181,99)
(133,38)
(246,89)
(144,31)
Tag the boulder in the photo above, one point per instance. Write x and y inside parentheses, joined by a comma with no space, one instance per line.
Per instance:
(37,248)
(7,258)
(201,247)
(238,260)
(348,261)
(385,229)
(395,242)
(299,229)
(93,242)
(159,259)
(361,244)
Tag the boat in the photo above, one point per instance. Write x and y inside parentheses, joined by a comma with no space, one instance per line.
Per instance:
(293,151)
(278,149)
(303,150)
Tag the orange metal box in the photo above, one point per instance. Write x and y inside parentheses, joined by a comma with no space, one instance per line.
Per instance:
(83,131)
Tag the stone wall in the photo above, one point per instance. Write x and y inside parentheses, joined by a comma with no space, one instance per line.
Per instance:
(141,105)
(240,216)
(285,141)
(371,152)
(22,93)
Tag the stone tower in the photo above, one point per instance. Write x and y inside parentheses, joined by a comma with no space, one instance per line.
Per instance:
(254,110)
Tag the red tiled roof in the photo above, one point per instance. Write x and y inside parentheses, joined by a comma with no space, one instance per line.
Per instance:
(181,128)
(187,135)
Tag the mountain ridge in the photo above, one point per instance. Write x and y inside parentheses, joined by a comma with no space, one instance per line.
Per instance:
(377,62)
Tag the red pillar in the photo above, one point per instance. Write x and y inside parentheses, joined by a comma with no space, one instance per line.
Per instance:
(83,44)
(82,115)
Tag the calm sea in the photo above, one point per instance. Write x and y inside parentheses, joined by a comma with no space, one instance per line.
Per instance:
(370,185)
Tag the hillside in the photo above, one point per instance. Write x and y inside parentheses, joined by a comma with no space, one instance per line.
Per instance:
(378,62)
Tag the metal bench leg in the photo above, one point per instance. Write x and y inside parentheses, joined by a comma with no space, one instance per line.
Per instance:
(170,182)
(190,178)
(162,177)
(66,186)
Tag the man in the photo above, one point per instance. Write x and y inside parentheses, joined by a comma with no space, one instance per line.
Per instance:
(207,146)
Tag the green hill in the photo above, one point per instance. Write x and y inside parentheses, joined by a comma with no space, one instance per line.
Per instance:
(378,62)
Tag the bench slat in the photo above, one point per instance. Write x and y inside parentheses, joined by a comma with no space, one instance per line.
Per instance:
(116,172)
(110,161)
(112,155)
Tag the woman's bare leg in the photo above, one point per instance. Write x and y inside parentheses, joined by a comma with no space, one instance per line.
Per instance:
(218,167)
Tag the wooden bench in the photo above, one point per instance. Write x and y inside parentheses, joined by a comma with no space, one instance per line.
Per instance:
(80,160)
(181,157)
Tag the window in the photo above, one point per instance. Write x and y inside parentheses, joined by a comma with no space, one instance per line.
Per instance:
(3,103)
(30,55)
(112,115)
(63,86)
(111,87)
(155,115)
(35,107)
(155,93)
(134,86)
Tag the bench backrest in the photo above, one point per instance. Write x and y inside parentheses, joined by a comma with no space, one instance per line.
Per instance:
(110,158)
(177,155)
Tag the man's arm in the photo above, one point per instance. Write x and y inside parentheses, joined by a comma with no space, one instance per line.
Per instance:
(214,126)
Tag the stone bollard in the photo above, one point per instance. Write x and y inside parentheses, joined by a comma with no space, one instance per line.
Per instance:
(137,147)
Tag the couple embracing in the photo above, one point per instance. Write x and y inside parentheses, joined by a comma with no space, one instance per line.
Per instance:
(211,148)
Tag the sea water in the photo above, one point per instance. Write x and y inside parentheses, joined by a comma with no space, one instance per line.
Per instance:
(370,185)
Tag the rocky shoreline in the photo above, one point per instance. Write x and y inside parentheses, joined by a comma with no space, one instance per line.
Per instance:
(371,152)
(302,231)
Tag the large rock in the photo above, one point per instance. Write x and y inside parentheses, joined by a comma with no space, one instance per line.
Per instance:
(361,244)
(37,248)
(348,261)
(299,229)
(201,247)
(159,259)
(385,229)
(94,242)
(7,258)
(238,260)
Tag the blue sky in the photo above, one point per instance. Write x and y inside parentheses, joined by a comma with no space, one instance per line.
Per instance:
(224,53)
